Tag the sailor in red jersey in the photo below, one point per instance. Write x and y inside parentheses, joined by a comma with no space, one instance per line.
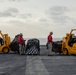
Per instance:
(49,41)
(21,44)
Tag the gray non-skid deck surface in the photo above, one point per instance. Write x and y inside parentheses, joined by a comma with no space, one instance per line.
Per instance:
(35,66)
(14,64)
(11,64)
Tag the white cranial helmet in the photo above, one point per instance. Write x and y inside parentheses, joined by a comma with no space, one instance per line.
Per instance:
(21,34)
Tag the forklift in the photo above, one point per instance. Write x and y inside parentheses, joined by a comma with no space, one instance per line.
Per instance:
(4,43)
(69,43)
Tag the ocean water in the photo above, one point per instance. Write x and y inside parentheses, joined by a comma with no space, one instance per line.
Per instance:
(43,41)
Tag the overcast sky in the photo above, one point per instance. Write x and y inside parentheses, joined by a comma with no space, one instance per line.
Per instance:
(36,18)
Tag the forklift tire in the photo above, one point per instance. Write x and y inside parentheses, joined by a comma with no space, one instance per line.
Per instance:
(65,51)
(5,50)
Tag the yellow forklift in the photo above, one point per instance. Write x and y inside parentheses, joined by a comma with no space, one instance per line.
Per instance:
(4,43)
(69,45)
